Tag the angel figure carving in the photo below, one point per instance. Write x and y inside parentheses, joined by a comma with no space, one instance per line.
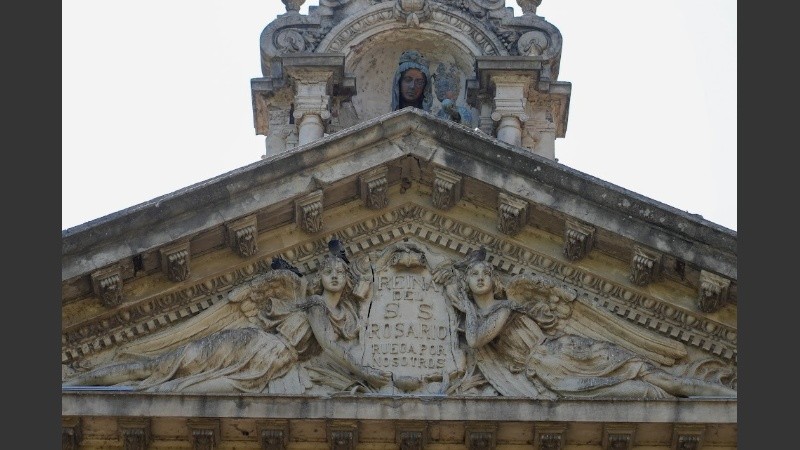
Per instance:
(542,343)
(255,342)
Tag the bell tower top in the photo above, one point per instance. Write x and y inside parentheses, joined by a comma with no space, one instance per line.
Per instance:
(471,62)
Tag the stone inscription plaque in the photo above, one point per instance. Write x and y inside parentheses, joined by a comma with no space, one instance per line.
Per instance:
(410,328)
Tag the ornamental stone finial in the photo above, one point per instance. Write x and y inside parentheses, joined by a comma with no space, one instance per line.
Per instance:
(529,6)
(293,5)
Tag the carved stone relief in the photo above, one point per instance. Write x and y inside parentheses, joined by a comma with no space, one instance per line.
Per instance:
(107,284)
(480,436)
(204,433)
(578,240)
(645,266)
(374,187)
(308,212)
(405,319)
(342,435)
(175,261)
(687,437)
(713,292)
(512,213)
(273,435)
(412,436)
(446,191)
(243,236)
(618,436)
(140,320)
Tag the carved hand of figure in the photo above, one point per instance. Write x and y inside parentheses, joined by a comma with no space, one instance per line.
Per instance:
(376,377)
(443,273)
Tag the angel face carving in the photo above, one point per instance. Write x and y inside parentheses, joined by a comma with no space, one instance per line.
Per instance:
(483,283)
(334,276)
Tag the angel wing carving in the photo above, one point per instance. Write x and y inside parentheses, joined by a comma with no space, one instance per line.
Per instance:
(557,310)
(261,302)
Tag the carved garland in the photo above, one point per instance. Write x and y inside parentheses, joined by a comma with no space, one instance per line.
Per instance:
(341,36)
(152,314)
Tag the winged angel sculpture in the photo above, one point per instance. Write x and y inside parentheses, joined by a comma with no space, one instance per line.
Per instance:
(254,341)
(540,342)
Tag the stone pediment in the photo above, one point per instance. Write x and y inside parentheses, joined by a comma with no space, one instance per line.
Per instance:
(397,246)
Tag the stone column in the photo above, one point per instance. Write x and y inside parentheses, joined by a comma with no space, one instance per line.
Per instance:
(509,106)
(311,103)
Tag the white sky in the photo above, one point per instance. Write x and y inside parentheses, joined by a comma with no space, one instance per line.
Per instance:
(156,97)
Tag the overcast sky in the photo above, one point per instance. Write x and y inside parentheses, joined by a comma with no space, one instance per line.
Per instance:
(156,97)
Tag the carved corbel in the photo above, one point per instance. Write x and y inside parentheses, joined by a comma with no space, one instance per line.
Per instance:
(645,266)
(549,436)
(71,433)
(107,284)
(134,433)
(308,212)
(374,188)
(412,436)
(204,433)
(273,434)
(243,236)
(578,240)
(175,261)
(618,437)
(446,190)
(480,436)
(512,213)
(713,292)
(687,437)
(342,435)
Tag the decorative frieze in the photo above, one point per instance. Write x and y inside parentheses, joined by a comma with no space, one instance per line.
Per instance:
(107,284)
(274,434)
(480,436)
(374,188)
(549,436)
(134,433)
(243,236)
(713,292)
(618,436)
(578,240)
(204,433)
(71,433)
(446,190)
(512,213)
(140,319)
(308,212)
(687,437)
(342,435)
(646,266)
(175,261)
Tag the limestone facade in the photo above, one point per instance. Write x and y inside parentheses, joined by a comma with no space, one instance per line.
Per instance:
(490,297)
